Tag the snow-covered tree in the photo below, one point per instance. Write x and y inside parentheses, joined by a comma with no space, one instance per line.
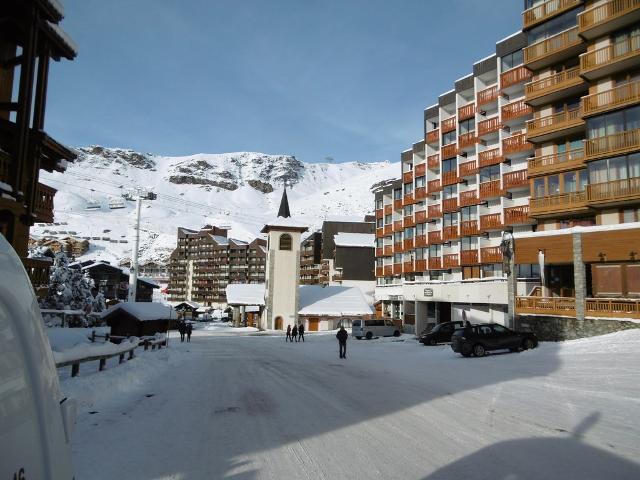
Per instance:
(69,288)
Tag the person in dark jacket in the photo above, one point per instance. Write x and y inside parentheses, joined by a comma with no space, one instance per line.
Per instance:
(188,330)
(288,334)
(301,332)
(342,336)
(294,333)
(182,330)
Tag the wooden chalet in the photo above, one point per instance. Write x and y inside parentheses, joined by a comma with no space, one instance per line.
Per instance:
(139,319)
(113,282)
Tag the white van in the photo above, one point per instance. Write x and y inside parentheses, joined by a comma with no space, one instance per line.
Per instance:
(35,422)
(377,327)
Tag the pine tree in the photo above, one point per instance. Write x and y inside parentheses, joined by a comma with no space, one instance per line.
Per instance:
(69,288)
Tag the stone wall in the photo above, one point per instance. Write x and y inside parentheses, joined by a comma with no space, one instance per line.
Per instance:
(549,328)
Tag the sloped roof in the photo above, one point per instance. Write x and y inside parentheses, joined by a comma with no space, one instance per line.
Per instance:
(332,301)
(143,311)
(343,239)
(245,293)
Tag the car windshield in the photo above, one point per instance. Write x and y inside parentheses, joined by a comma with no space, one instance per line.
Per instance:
(458,332)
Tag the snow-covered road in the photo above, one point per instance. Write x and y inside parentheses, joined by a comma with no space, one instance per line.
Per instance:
(253,407)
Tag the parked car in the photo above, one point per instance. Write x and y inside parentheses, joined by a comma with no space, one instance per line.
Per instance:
(479,339)
(36,422)
(440,333)
(379,327)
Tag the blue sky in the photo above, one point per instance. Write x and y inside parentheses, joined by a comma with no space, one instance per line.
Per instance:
(346,79)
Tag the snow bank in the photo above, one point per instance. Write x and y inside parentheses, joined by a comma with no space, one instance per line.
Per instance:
(245,294)
(83,350)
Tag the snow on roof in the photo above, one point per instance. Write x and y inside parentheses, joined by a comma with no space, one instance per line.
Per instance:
(288,222)
(239,242)
(64,37)
(332,301)
(485,58)
(143,310)
(149,281)
(245,294)
(448,91)
(462,78)
(567,231)
(343,239)
(219,239)
(510,36)
(189,303)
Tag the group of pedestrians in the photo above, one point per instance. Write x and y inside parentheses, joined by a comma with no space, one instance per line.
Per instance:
(295,334)
(185,329)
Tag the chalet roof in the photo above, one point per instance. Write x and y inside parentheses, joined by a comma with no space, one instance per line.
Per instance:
(343,239)
(245,293)
(332,301)
(285,223)
(143,311)
(62,40)
(187,303)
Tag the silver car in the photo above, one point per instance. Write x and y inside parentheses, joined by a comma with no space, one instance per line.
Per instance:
(377,327)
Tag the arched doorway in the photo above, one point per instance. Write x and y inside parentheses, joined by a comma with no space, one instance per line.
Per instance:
(278,322)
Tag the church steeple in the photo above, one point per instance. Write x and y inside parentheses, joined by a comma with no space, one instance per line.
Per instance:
(283,211)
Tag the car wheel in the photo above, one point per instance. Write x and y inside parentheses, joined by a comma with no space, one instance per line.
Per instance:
(478,350)
(466,350)
(369,336)
(359,338)
(528,344)
(432,342)
(396,333)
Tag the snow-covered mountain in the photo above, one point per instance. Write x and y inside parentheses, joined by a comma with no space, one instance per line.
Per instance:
(239,190)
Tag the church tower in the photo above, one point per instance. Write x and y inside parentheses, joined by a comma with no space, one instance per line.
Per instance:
(283,269)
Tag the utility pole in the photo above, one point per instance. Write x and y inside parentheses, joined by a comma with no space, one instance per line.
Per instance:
(133,270)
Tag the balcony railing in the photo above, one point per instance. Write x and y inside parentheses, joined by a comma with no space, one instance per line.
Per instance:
(398,247)
(435,263)
(397,268)
(449,151)
(546,305)
(553,83)
(43,205)
(434,211)
(397,204)
(467,140)
(469,228)
(421,265)
(435,237)
(489,157)
(514,76)
(467,169)
(621,50)
(546,10)
(421,216)
(37,271)
(556,162)
(420,193)
(558,203)
(515,110)
(490,255)
(449,178)
(407,177)
(388,269)
(420,169)
(517,215)
(469,257)
(616,144)
(379,271)
(434,186)
(448,124)
(408,221)
(388,229)
(620,96)
(407,267)
(388,209)
(601,14)
(549,46)
(379,232)
(421,241)
(470,197)
(407,244)
(450,261)
(489,126)
(449,233)
(379,253)
(487,95)
(433,136)
(557,121)
(616,190)
(515,179)
(490,189)
(379,213)
(466,112)
(449,204)
(493,221)
(397,226)
(433,161)
(516,144)
(612,308)
(407,199)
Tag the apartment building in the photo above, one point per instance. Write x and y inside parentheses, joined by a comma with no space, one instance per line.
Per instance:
(205,261)
(310,258)
(541,140)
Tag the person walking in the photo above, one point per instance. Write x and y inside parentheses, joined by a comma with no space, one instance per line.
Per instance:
(288,334)
(342,336)
(301,332)
(181,329)
(189,329)
(294,333)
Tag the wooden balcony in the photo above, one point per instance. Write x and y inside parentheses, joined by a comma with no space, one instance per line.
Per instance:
(379,253)
(407,199)
(420,169)
(379,271)
(490,157)
(617,191)
(470,197)
(388,229)
(597,307)
(450,233)
(407,177)
(397,226)
(421,216)
(515,179)
(556,125)
(469,257)
(556,162)
(467,140)
(421,265)
(607,17)
(610,145)
(449,178)
(407,244)
(488,95)
(388,209)
(449,151)
(407,267)
(490,189)
(466,112)
(43,205)
(434,186)
(467,169)
(388,270)
(421,241)
(433,161)
(435,263)
(553,49)
(448,125)
(544,11)
(554,204)
(517,215)
(380,213)
(490,255)
(618,97)
(435,237)
(469,228)
(38,273)
(514,76)
(451,260)
(620,56)
(379,232)
(515,110)
(397,268)
(553,87)
(408,221)
(398,247)
(450,205)
(487,127)
(397,204)
(546,305)
(493,221)
(516,144)
(434,211)
(420,193)
(433,136)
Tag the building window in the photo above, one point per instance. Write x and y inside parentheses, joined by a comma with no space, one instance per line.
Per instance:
(615,122)
(616,168)
(528,270)
(449,165)
(387,219)
(470,272)
(420,182)
(408,188)
(554,26)
(379,204)
(408,210)
(449,191)
(397,194)
(468,243)
(488,271)
(512,60)
(379,223)
(397,237)
(450,219)
(285,241)
(449,137)
(630,215)
(469,213)
(488,174)
(467,126)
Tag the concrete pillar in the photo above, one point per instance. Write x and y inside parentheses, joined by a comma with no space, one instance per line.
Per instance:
(579,276)
(243,315)
(421,317)
(512,285)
